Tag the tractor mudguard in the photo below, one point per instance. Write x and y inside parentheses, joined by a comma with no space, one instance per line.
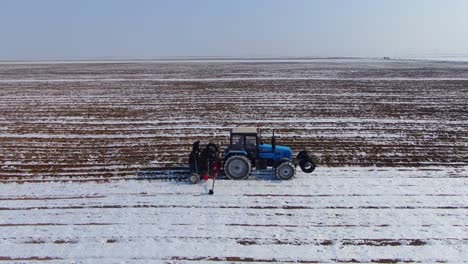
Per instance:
(235,152)
(283,160)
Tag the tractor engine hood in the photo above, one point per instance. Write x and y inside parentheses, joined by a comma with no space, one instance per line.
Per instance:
(284,152)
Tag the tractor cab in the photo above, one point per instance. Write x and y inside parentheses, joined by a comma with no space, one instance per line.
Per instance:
(244,141)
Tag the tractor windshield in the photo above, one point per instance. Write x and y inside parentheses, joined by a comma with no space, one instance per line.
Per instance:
(251,142)
(237,142)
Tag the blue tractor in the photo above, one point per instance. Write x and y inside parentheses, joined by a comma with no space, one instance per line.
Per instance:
(246,151)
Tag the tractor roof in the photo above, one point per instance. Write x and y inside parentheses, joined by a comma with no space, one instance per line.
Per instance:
(244,130)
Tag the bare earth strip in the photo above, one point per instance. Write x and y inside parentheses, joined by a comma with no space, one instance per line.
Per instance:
(114,120)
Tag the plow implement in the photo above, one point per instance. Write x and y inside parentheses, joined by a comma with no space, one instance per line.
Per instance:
(246,153)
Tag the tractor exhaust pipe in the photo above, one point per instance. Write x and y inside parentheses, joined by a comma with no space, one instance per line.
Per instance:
(273,141)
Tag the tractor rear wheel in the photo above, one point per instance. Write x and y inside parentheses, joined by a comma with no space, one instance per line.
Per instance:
(237,167)
(285,171)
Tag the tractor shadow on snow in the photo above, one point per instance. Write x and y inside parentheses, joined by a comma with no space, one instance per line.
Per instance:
(177,174)
(264,175)
(182,175)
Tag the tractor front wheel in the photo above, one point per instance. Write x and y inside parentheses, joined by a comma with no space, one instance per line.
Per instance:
(285,171)
(237,167)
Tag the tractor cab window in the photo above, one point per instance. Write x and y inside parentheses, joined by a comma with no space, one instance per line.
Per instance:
(251,142)
(237,142)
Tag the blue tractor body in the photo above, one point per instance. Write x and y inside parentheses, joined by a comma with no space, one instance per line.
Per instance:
(281,153)
(265,151)
(246,151)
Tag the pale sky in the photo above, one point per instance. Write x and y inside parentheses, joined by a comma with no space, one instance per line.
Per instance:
(148,29)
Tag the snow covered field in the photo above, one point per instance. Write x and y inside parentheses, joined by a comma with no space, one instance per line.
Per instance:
(343,214)
(79,140)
